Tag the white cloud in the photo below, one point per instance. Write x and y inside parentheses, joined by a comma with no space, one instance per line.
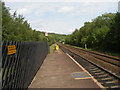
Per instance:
(61,0)
(49,17)
(65,9)
(71,30)
(22,11)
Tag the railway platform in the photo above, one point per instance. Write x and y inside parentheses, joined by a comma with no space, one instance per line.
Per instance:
(59,70)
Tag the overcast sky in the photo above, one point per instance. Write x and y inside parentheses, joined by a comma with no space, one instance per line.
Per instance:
(61,16)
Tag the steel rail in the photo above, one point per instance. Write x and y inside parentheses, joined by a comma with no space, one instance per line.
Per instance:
(111,73)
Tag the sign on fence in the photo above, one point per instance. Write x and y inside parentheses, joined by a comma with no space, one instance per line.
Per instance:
(11,49)
(19,70)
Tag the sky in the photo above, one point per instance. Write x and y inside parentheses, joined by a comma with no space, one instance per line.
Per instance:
(60,16)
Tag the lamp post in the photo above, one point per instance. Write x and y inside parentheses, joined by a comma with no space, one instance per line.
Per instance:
(119,7)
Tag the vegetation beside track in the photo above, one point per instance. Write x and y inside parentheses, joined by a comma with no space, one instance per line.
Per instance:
(52,49)
(101,34)
(91,49)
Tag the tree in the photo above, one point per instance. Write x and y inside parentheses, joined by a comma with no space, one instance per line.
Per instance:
(102,33)
(16,28)
(113,37)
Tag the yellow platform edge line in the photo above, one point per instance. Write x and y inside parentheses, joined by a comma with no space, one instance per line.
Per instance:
(83,78)
(79,72)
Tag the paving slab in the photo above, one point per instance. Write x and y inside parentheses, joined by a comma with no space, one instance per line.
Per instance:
(57,72)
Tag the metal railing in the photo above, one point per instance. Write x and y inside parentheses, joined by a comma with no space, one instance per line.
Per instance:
(18,69)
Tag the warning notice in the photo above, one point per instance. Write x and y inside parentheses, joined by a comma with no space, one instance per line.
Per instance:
(11,49)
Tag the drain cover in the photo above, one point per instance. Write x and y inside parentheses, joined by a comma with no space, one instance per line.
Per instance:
(80,75)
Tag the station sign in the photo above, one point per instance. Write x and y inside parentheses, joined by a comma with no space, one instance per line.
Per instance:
(11,49)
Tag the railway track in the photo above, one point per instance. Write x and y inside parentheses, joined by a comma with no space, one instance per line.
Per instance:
(104,68)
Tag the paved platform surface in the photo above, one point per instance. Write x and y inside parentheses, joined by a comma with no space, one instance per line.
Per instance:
(56,72)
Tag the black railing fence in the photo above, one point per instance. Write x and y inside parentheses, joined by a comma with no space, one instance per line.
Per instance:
(18,69)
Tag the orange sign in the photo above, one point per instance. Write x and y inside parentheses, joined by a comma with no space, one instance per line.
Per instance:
(11,49)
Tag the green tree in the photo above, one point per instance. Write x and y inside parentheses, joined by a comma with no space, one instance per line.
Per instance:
(101,33)
(16,28)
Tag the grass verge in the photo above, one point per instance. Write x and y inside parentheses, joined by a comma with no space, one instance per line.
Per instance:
(105,52)
(52,49)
